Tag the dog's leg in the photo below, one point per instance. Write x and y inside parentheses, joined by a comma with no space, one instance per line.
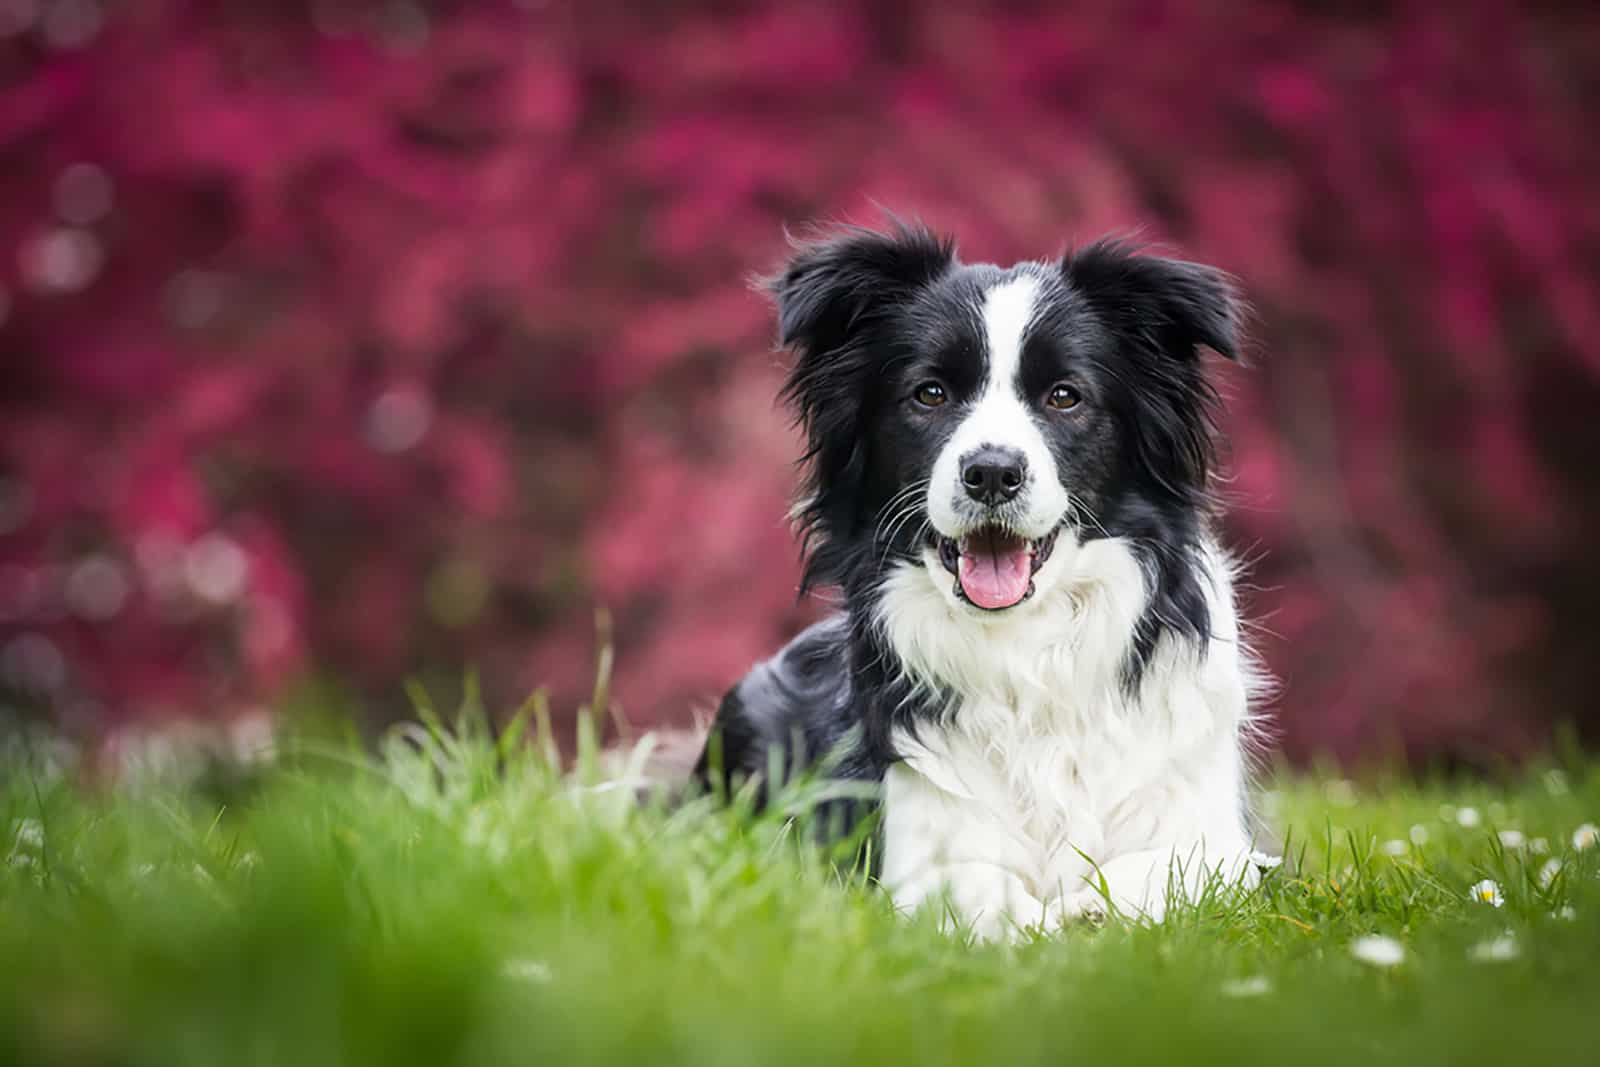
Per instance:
(941,846)
(993,901)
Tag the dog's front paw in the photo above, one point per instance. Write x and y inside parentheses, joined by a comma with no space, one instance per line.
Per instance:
(986,900)
(1090,906)
(1082,906)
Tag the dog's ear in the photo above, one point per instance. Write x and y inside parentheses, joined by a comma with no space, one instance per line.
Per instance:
(828,296)
(1179,305)
(829,287)
(831,297)
(1162,311)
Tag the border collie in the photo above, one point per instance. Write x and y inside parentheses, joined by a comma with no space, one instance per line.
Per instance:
(1038,659)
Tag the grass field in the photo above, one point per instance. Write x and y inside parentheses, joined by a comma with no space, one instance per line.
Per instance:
(451,900)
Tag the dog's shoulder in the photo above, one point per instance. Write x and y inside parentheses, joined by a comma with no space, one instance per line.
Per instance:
(799,703)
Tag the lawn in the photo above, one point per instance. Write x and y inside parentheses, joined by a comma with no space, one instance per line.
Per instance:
(449,899)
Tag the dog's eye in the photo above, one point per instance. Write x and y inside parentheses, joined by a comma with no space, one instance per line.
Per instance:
(929,394)
(1063,397)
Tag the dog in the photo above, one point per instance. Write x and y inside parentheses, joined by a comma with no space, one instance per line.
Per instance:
(1038,663)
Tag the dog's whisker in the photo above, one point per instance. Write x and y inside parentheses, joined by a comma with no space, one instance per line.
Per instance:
(902,508)
(1078,511)
(897,501)
(907,513)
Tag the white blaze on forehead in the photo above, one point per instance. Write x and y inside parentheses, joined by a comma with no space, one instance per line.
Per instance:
(1007,311)
(1001,417)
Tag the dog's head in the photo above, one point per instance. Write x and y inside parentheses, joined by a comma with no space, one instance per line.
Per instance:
(978,420)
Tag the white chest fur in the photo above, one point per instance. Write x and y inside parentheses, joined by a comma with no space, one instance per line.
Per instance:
(1049,770)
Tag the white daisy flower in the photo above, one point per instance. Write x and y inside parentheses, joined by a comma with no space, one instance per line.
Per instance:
(1511,839)
(526,970)
(1549,873)
(1254,986)
(1419,834)
(1468,817)
(1585,836)
(1496,950)
(1488,892)
(1396,847)
(30,833)
(1378,951)
(1539,846)
(1566,913)
(1264,861)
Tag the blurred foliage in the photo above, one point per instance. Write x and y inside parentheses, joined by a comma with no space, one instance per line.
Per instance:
(375,337)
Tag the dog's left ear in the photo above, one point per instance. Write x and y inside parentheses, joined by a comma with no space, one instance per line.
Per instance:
(1180,305)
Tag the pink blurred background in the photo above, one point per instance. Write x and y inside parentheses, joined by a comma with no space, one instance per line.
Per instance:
(355,340)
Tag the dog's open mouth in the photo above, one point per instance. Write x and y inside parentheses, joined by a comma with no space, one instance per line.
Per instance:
(994,568)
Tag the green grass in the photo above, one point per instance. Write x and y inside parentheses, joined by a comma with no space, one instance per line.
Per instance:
(454,901)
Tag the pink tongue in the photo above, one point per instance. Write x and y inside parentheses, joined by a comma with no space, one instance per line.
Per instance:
(995,570)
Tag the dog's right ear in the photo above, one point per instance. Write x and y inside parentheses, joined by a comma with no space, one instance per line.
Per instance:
(828,287)
(828,296)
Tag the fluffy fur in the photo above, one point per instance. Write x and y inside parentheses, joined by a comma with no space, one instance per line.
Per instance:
(1088,739)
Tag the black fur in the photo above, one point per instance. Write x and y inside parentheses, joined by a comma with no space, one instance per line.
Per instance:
(868,315)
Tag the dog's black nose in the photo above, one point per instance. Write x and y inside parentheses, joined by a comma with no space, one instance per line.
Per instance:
(993,475)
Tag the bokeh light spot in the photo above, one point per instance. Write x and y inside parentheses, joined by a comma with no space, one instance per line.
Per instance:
(405,26)
(83,194)
(194,298)
(96,588)
(17,16)
(62,260)
(399,419)
(34,664)
(216,569)
(71,24)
